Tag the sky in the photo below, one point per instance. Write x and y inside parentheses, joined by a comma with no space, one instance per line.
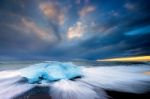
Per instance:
(74,29)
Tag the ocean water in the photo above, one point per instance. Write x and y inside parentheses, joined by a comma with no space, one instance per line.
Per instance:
(11,65)
(42,92)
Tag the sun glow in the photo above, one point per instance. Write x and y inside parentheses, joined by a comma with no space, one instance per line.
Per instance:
(128,59)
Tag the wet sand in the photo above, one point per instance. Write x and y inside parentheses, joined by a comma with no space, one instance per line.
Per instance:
(41,93)
(112,95)
(120,95)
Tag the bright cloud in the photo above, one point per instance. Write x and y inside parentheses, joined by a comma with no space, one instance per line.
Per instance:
(53,12)
(76,31)
(129,6)
(86,10)
(38,31)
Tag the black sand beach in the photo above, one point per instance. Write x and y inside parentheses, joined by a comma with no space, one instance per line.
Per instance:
(112,95)
(42,92)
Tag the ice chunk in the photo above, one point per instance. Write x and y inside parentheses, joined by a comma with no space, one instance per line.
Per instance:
(50,71)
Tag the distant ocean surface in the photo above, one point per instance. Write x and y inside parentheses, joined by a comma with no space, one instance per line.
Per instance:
(10,65)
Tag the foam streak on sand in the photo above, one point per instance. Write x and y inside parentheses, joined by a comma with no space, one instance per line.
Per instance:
(65,85)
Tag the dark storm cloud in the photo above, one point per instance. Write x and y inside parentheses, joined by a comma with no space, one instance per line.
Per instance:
(116,41)
(79,29)
(20,32)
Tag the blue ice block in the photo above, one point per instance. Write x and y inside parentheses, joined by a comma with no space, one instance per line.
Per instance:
(50,71)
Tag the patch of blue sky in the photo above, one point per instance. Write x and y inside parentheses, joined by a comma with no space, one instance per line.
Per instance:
(139,31)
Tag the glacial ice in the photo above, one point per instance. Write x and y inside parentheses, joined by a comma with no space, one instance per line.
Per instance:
(50,71)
